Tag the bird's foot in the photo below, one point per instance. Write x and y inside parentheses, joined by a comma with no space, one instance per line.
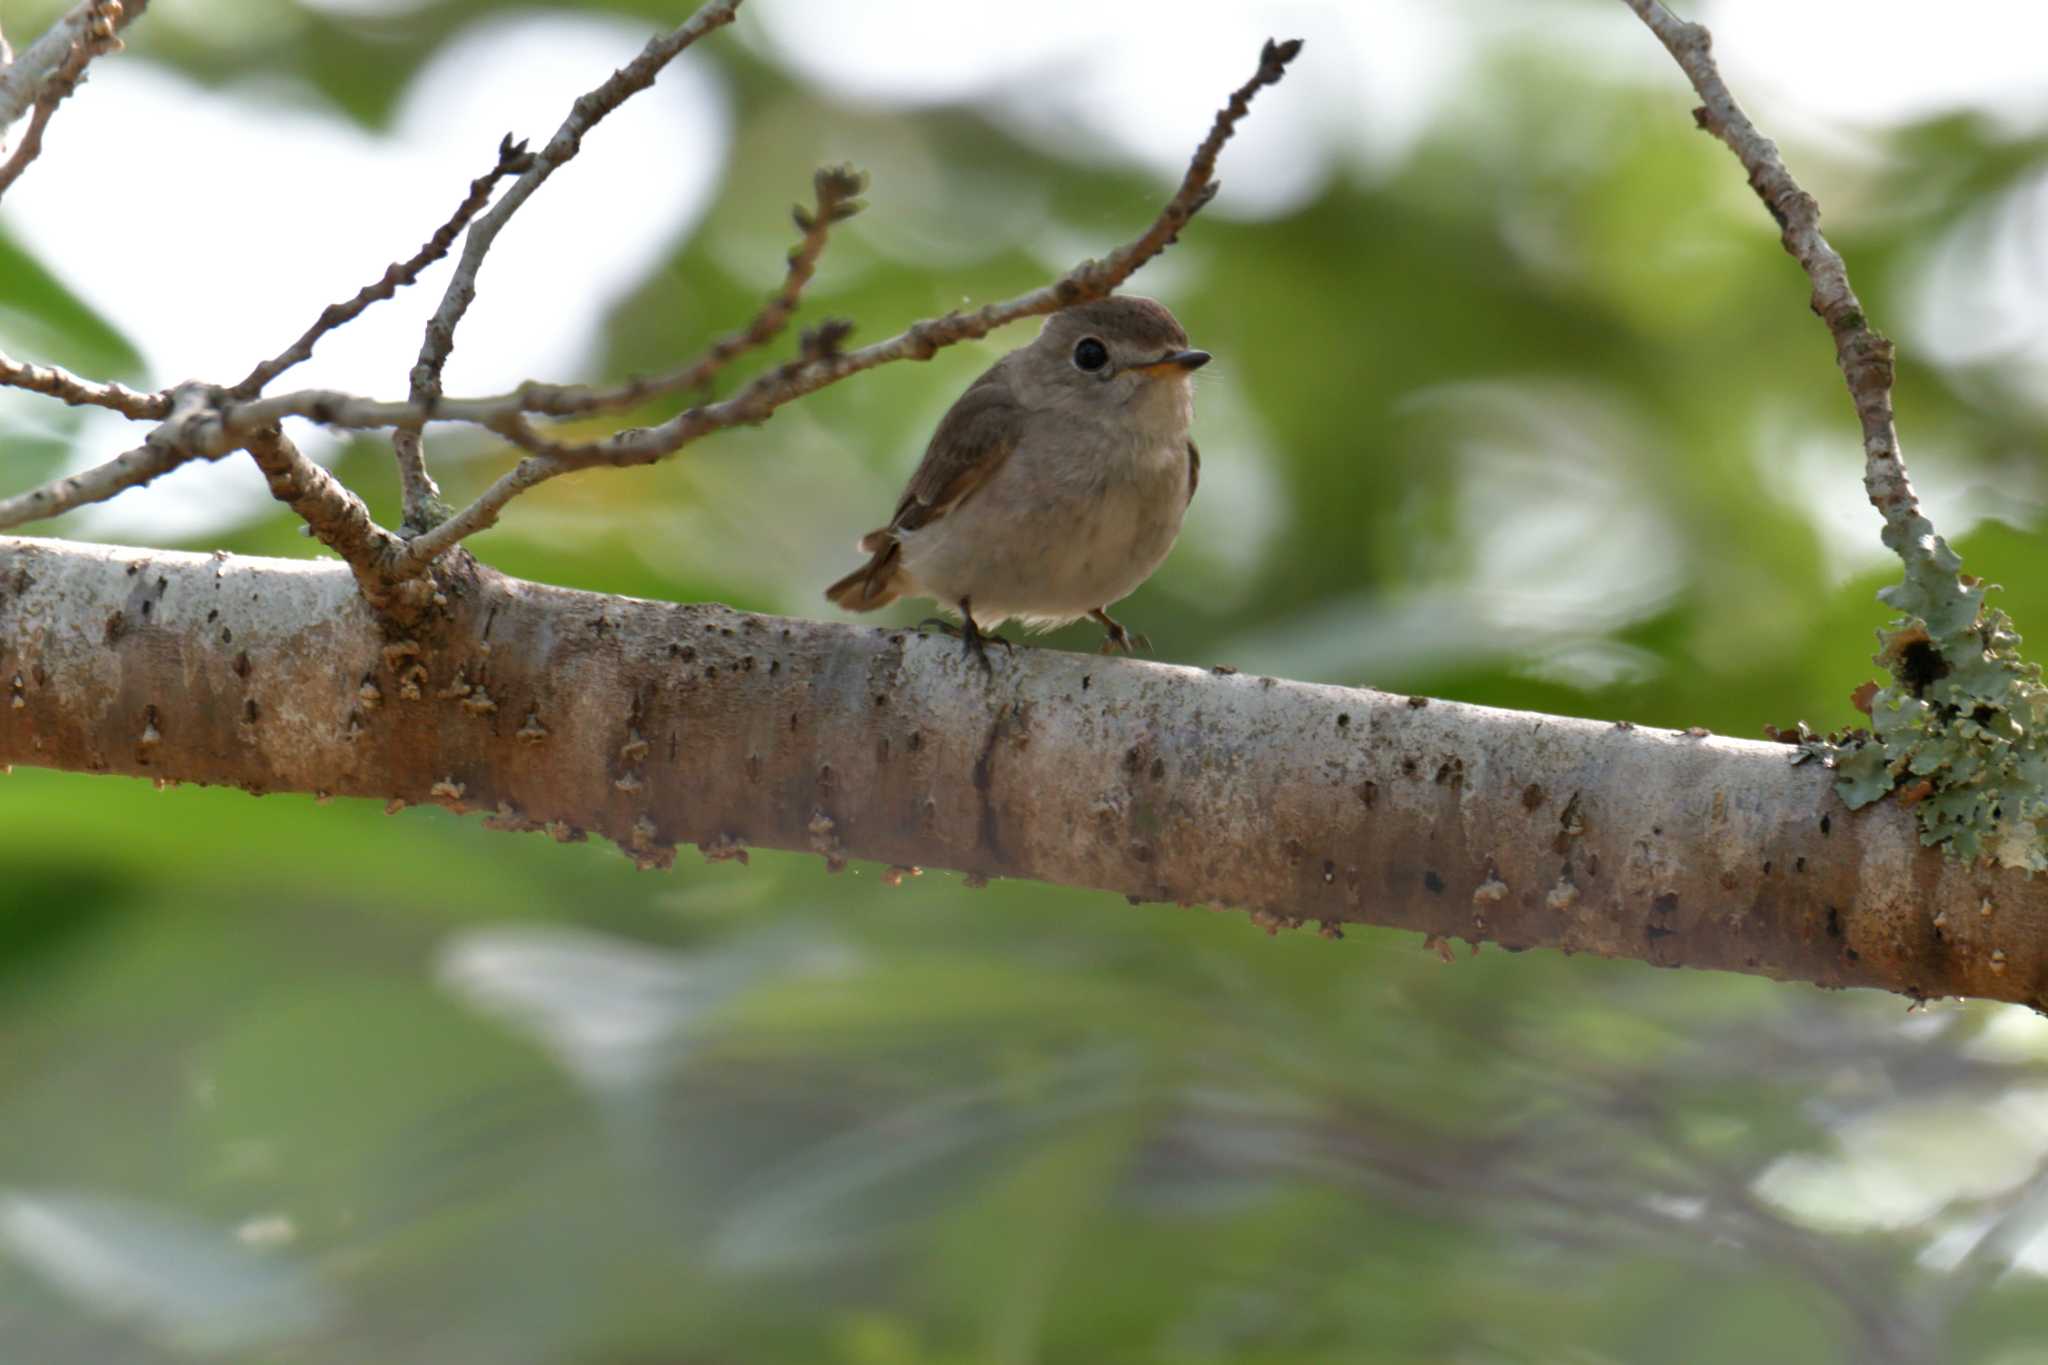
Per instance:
(1118,640)
(973,640)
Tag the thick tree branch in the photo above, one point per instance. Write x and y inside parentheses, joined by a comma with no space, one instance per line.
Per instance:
(658,724)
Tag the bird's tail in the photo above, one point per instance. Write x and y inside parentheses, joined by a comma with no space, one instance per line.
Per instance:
(876,583)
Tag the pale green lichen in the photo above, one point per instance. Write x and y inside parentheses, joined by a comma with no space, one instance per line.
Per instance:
(1959,733)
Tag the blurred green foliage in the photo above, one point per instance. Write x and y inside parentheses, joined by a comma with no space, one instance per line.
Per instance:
(1525,421)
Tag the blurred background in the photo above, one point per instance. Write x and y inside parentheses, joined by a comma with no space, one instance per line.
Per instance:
(1516,401)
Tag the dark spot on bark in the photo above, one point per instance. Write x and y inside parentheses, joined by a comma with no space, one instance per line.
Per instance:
(249,711)
(242,665)
(1834,922)
(1343,722)
(984,784)
(1767,867)
(161,584)
(710,672)
(227,637)
(1293,850)
(213,616)
(1852,955)
(1799,864)
(1329,870)
(1665,904)
(1418,702)
(916,740)
(134,569)
(1141,852)
(1084,682)
(753,767)
(1657,931)
(1158,768)
(1369,793)
(1452,772)
(146,606)
(1826,825)
(747,664)
(1411,766)
(1532,796)
(1433,882)
(795,721)
(774,667)
(116,624)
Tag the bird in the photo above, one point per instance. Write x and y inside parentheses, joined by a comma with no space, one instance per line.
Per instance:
(1053,487)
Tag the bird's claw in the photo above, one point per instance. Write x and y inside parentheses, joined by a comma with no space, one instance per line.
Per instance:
(973,641)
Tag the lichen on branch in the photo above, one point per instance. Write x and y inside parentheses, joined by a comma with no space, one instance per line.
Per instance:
(1958,733)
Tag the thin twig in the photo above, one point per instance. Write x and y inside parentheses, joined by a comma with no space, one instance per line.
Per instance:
(421,497)
(836,191)
(69,388)
(513,159)
(336,516)
(822,363)
(89,31)
(213,431)
(190,409)
(1865,356)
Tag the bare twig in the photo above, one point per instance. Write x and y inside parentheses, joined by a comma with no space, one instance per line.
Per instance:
(823,363)
(49,70)
(24,78)
(228,425)
(69,388)
(836,191)
(336,517)
(421,497)
(190,409)
(513,159)
(1864,356)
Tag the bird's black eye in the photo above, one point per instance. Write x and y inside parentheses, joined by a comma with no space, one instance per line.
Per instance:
(1090,354)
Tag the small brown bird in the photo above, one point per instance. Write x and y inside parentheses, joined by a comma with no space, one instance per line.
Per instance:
(1054,487)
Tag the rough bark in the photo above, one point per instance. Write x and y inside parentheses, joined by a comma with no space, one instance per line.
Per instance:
(657,724)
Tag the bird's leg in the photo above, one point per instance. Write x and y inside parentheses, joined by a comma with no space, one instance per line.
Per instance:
(1119,640)
(972,637)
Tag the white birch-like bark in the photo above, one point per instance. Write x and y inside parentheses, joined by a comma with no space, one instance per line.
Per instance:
(658,724)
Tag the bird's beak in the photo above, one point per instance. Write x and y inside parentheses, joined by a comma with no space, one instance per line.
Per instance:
(1177,362)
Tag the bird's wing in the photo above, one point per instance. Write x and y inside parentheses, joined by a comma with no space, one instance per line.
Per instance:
(972,441)
(1194,470)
